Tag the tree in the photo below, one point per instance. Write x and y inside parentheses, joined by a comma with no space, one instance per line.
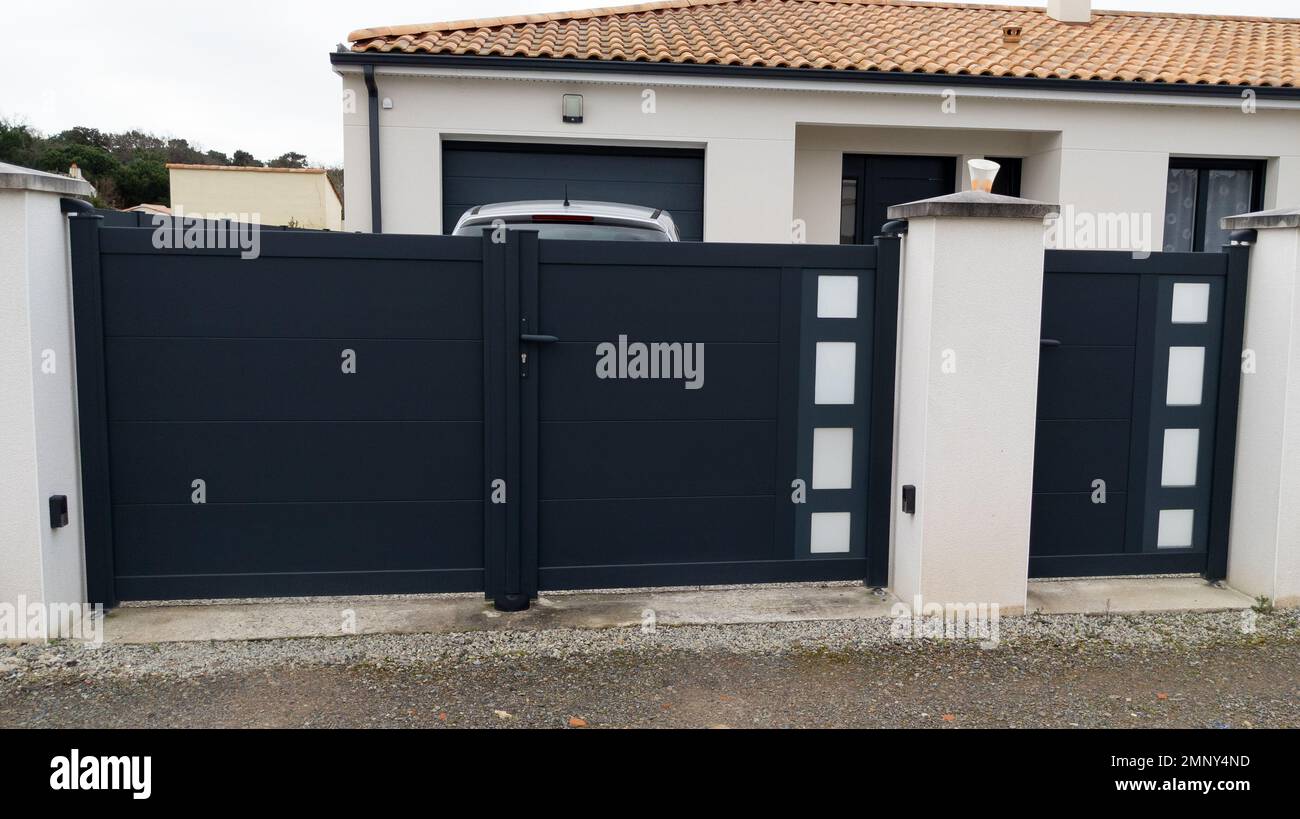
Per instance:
(143,180)
(81,135)
(94,162)
(18,144)
(244,159)
(180,150)
(289,160)
(127,168)
(336,178)
(135,144)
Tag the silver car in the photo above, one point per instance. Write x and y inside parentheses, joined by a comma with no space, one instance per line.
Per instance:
(562,219)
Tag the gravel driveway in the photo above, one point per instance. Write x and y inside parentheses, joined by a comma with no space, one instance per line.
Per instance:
(1200,670)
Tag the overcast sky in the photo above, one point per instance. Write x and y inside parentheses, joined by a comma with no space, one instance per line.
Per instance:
(250,74)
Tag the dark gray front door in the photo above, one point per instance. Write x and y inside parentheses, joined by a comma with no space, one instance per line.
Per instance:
(870,184)
(479,173)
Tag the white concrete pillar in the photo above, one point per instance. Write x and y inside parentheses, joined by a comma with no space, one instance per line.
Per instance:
(1264,539)
(38,423)
(968,387)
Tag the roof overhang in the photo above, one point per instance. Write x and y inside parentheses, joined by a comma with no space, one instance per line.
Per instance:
(613,69)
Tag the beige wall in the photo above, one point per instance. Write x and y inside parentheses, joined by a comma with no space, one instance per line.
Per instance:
(773,151)
(267,196)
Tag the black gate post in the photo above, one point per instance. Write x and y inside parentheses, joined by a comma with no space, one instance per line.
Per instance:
(496,490)
(529,322)
(880,469)
(1225,427)
(502,445)
(92,408)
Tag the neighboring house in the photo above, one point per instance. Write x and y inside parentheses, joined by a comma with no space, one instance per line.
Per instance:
(297,197)
(152,210)
(745,117)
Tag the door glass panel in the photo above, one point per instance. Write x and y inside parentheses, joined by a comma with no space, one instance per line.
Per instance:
(830,532)
(1227,194)
(834,373)
(1186,372)
(832,458)
(1178,467)
(1180,209)
(1175,528)
(848,210)
(1191,303)
(837,296)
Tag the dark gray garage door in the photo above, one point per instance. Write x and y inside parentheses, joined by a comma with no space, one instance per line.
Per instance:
(478,173)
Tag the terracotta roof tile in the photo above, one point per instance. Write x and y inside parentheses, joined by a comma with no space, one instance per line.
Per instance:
(880,35)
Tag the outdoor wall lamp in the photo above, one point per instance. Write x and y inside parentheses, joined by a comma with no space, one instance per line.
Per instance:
(571,108)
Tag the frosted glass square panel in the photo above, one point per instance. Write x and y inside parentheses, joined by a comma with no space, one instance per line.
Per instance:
(1179,465)
(1191,303)
(836,362)
(832,458)
(837,297)
(830,532)
(1186,372)
(1175,528)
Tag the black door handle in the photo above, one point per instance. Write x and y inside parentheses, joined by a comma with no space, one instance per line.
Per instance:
(538,338)
(1049,342)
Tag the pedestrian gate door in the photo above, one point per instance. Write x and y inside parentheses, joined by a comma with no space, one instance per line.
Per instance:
(1137,412)
(353,413)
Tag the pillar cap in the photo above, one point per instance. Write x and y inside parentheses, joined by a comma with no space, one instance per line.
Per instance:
(974,203)
(1275,218)
(16,177)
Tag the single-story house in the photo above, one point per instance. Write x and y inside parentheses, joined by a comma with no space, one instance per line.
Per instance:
(780,120)
(293,197)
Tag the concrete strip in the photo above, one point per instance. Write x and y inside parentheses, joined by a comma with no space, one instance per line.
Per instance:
(1132,594)
(449,615)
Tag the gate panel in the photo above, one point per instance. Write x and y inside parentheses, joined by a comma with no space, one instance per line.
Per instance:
(309,421)
(642,481)
(352,414)
(1136,412)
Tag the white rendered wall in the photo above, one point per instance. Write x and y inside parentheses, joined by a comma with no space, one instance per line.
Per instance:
(38,426)
(1264,545)
(968,387)
(770,153)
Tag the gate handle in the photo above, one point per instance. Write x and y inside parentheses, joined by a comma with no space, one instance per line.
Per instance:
(539,339)
(1049,342)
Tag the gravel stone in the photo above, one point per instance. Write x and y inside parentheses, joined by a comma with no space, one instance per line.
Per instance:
(1232,669)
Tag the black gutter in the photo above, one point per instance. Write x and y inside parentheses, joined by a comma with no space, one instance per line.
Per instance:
(79,206)
(470,63)
(376,202)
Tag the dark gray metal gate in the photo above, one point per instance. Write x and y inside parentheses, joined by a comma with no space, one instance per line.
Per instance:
(351,414)
(1137,412)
